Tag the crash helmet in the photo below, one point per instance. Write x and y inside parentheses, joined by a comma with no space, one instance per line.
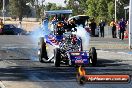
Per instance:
(60,24)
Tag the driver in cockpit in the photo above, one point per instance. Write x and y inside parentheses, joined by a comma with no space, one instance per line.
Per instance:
(60,30)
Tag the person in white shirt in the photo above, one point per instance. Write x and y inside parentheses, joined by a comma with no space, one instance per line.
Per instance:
(20,25)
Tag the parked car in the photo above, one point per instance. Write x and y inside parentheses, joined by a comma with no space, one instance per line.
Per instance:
(10,29)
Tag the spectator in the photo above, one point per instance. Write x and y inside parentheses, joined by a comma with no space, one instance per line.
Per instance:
(1,25)
(122,26)
(113,25)
(20,25)
(101,25)
(93,27)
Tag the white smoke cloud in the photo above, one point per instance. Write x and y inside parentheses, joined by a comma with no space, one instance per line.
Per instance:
(40,32)
(85,36)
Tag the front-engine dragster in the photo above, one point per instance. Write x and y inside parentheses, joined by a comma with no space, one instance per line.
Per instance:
(68,47)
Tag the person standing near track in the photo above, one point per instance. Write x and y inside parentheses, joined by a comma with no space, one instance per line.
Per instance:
(20,25)
(122,25)
(101,25)
(1,25)
(113,25)
(93,26)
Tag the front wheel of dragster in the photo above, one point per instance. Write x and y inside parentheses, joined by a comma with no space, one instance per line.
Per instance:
(42,50)
(57,57)
(93,56)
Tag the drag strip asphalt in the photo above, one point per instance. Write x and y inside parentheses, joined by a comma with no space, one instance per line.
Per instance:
(19,66)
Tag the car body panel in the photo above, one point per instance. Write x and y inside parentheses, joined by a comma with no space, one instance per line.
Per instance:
(52,39)
(79,58)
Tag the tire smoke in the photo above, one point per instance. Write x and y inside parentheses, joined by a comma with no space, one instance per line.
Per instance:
(40,32)
(81,32)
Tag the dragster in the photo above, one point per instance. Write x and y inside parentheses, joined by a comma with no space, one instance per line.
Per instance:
(68,45)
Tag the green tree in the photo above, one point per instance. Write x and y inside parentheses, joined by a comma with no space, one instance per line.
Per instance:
(18,8)
(83,6)
(74,6)
(77,6)
(1,3)
(120,8)
(53,6)
(92,8)
(102,9)
(111,10)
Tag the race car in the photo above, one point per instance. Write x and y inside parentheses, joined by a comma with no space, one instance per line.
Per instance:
(68,51)
(68,48)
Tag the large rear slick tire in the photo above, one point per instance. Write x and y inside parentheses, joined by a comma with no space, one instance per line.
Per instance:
(93,56)
(43,52)
(57,57)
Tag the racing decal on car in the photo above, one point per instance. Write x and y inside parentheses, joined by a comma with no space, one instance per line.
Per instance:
(79,60)
(75,54)
(50,39)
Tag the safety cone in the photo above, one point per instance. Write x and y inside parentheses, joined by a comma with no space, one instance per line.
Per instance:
(126,34)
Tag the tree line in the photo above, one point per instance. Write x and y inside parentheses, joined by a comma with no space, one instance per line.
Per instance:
(99,9)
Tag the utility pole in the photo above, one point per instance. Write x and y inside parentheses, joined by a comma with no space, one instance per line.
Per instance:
(130,24)
(115,10)
(43,7)
(42,10)
(3,11)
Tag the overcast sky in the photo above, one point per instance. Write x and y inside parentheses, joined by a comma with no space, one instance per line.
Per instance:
(58,2)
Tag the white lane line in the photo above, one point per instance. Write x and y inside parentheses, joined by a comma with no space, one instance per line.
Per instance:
(121,52)
(2,85)
(115,52)
(19,44)
(124,53)
(103,51)
(13,47)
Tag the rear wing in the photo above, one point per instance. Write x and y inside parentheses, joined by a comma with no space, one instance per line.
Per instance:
(80,19)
